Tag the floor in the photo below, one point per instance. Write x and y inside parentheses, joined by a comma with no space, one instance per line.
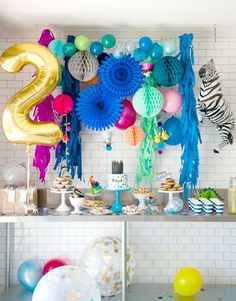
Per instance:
(147,293)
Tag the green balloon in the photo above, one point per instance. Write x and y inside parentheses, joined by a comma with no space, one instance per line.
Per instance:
(82,43)
(108,41)
(60,76)
(69,49)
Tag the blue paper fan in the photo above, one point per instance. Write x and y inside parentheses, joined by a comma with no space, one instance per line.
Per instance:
(98,110)
(121,77)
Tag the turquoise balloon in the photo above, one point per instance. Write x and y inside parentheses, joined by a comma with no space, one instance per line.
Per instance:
(69,49)
(169,47)
(173,128)
(56,47)
(145,43)
(29,274)
(140,55)
(156,51)
(96,48)
(108,41)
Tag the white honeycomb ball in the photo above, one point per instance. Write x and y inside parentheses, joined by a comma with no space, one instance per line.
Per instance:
(83,66)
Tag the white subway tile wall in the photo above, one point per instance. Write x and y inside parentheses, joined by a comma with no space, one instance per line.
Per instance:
(160,248)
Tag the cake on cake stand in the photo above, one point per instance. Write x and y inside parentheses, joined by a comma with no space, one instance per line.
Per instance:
(117,206)
(117,182)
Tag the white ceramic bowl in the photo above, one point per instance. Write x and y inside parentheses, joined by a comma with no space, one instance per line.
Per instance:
(76,203)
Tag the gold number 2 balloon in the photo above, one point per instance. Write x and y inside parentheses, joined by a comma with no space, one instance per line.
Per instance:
(17,125)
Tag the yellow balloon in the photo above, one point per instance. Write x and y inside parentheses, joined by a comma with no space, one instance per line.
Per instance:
(188,282)
(17,125)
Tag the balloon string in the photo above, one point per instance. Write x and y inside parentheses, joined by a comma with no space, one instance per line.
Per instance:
(28,172)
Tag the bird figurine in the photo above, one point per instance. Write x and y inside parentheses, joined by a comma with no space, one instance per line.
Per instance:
(95,186)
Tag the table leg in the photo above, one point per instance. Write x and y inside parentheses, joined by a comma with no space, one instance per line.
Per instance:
(7,275)
(124,251)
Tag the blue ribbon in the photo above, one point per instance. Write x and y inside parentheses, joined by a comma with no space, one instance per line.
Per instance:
(71,87)
(189,122)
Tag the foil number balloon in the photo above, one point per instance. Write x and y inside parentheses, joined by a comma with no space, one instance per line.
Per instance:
(17,125)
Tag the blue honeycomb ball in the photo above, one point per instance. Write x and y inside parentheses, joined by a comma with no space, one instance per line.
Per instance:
(168,71)
(120,77)
(98,110)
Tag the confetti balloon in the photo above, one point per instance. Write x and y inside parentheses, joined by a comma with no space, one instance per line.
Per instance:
(67,283)
(134,135)
(83,66)
(102,260)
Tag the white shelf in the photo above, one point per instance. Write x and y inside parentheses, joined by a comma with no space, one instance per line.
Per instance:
(147,292)
(162,217)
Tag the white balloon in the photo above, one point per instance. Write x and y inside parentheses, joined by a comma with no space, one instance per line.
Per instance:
(103,261)
(14,173)
(67,283)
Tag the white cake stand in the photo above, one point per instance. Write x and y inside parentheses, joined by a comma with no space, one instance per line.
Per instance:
(63,207)
(141,197)
(170,193)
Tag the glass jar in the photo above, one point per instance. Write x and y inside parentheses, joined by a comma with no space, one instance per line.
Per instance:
(232,196)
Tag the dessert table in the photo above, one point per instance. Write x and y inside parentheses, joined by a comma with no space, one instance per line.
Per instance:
(137,291)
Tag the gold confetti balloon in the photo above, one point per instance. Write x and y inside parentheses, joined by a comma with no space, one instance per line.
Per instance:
(103,261)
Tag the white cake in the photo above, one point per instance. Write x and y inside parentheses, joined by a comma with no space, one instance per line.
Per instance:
(117,181)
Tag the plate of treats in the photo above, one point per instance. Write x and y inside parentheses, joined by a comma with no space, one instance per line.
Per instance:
(141,191)
(100,211)
(62,184)
(90,204)
(170,186)
(131,210)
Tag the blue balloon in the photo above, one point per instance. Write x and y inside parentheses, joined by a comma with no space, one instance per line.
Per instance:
(156,51)
(56,47)
(96,48)
(145,43)
(29,273)
(173,128)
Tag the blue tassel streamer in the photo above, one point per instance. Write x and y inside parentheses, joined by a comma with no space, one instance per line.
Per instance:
(73,159)
(189,122)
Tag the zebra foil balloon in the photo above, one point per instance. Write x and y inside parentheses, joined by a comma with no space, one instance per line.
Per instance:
(211,104)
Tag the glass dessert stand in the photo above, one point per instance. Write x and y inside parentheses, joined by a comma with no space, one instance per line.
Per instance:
(117,206)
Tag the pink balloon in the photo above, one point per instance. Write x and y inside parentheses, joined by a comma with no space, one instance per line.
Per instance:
(52,264)
(172,100)
(128,116)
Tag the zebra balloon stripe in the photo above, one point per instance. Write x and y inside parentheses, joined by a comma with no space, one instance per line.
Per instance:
(211,104)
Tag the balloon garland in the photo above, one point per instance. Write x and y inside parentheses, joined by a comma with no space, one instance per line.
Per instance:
(97,109)
(109,73)
(189,122)
(120,77)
